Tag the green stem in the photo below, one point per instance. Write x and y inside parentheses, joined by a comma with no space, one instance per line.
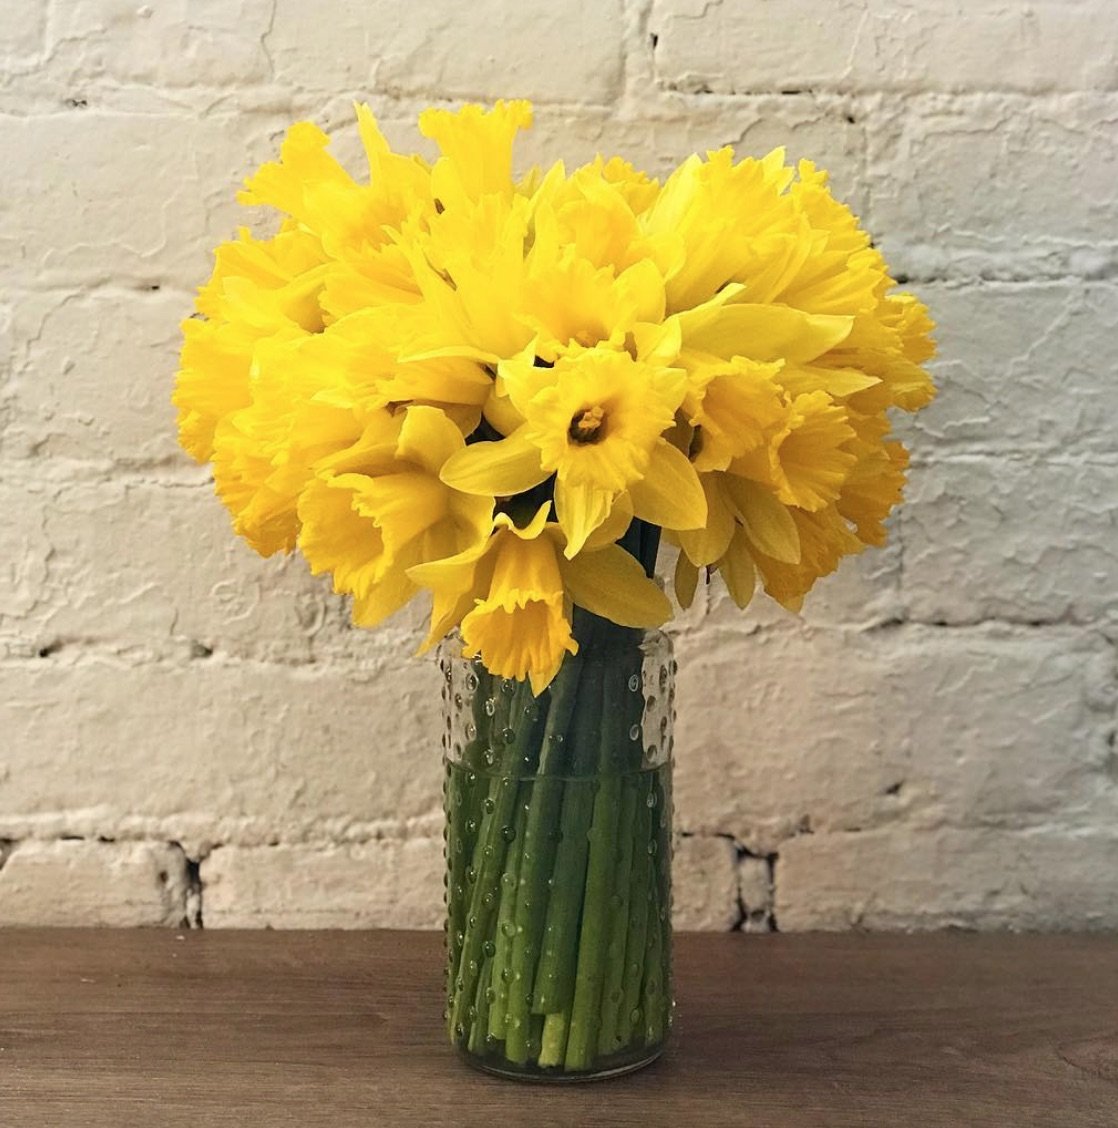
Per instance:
(489,862)
(582,1037)
(653,993)
(466,795)
(559,901)
(637,929)
(479,1018)
(537,858)
(554,985)
(658,1001)
(618,922)
(505,927)
(553,1046)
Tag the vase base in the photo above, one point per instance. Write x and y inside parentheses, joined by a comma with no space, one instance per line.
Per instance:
(544,1075)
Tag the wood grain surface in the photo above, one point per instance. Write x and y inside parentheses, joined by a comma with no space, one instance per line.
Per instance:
(149,1028)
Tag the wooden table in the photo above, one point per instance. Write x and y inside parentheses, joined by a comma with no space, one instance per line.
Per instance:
(152,1028)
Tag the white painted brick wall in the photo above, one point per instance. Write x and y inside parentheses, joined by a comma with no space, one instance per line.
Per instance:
(191,734)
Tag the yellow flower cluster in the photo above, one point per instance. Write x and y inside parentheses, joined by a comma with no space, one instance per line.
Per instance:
(448,379)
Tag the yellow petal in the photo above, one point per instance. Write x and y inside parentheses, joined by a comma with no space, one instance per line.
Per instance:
(797,379)
(524,639)
(686,580)
(383,599)
(738,571)
(453,582)
(525,532)
(522,627)
(403,505)
(768,524)
(640,289)
(476,145)
(501,414)
(452,352)
(764,332)
(670,494)
(658,344)
(580,510)
(611,583)
(499,469)
(428,438)
(614,526)
(709,543)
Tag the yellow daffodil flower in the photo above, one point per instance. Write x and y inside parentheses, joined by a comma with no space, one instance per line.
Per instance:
(595,420)
(378,507)
(511,596)
(260,290)
(806,460)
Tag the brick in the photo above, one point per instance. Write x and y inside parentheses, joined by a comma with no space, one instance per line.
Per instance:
(175,43)
(568,53)
(7,358)
(130,197)
(1033,537)
(179,577)
(72,883)
(386,884)
(983,879)
(751,45)
(704,884)
(995,185)
(93,375)
(212,751)
(1019,369)
(22,30)
(787,730)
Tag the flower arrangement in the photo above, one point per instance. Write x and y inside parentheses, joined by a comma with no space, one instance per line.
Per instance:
(501,392)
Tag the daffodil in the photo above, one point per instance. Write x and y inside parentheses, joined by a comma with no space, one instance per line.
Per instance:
(476,150)
(876,480)
(806,460)
(595,420)
(735,223)
(824,538)
(260,290)
(521,626)
(735,503)
(512,595)
(378,507)
(351,219)
(735,406)
(264,452)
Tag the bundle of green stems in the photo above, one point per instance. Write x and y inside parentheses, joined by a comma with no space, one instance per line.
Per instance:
(558,847)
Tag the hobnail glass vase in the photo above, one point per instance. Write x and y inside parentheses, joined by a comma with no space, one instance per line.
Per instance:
(558,852)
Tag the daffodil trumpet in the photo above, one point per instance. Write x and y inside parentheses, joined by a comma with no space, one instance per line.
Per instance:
(497,394)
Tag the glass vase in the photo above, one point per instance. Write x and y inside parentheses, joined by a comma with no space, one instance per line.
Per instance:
(558,852)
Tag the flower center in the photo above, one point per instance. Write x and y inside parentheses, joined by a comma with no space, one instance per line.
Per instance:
(588,426)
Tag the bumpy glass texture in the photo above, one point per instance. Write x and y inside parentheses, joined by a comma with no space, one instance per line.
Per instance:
(558,848)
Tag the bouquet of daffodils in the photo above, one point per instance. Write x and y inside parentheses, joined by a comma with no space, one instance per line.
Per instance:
(499,392)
